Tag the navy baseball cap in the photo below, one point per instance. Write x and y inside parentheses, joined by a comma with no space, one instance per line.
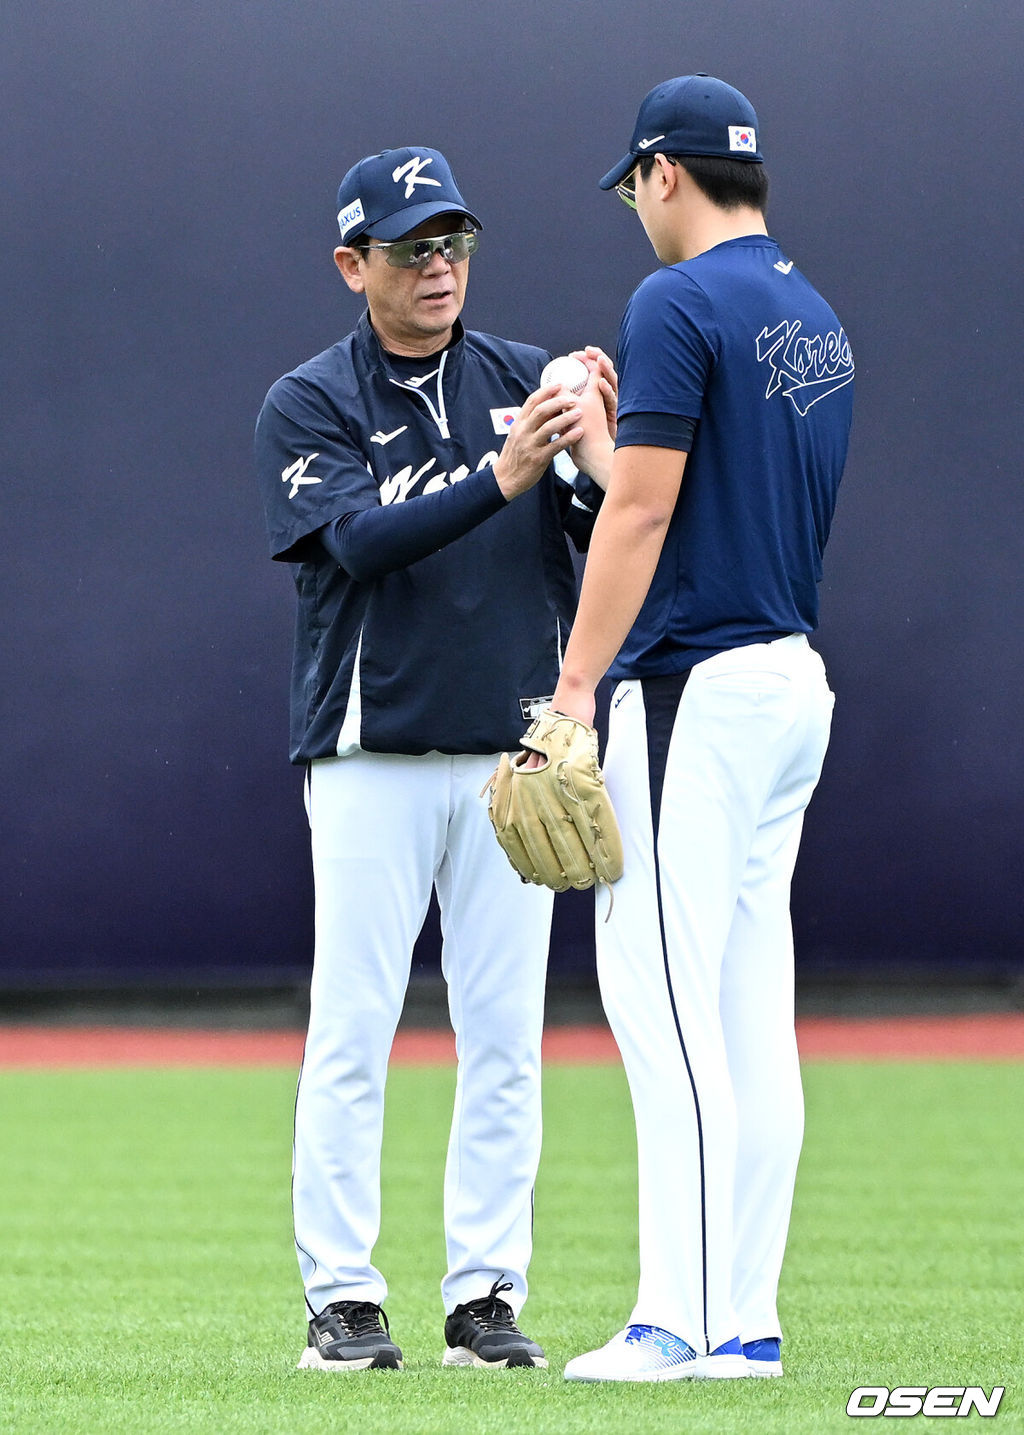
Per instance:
(693,114)
(389,194)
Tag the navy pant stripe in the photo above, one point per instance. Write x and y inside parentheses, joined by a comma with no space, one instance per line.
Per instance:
(662,696)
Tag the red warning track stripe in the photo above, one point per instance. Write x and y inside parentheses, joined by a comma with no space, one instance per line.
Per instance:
(989,1036)
(981,1037)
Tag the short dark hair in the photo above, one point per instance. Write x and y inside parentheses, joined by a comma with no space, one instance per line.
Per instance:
(729,183)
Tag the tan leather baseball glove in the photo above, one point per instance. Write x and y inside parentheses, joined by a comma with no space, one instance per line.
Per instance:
(555,822)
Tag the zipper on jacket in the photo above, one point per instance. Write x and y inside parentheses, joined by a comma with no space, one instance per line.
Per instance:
(438,412)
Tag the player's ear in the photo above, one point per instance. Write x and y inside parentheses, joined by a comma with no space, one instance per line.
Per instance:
(350,267)
(668,173)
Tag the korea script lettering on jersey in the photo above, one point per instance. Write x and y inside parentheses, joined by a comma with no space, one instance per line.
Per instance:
(805,368)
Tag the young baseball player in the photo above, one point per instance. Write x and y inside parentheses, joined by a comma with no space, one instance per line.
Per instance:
(700,588)
(413,477)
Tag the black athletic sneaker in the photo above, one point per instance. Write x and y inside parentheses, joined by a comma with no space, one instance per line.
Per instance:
(349,1335)
(484,1333)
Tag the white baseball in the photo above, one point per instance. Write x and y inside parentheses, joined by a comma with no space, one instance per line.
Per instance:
(571,373)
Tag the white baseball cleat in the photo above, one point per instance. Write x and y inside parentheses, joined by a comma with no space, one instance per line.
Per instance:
(646,1352)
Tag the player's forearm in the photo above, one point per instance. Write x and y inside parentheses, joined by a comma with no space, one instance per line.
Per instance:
(624,552)
(623,555)
(594,452)
(375,541)
(595,461)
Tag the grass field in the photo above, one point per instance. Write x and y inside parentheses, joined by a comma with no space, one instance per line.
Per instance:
(148,1285)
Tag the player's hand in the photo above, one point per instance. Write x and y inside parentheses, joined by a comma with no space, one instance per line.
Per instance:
(574,703)
(548,423)
(597,361)
(598,403)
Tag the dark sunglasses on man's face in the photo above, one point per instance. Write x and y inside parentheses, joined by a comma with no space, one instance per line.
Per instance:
(417,253)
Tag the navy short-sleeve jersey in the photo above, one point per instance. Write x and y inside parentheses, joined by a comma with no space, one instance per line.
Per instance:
(740,342)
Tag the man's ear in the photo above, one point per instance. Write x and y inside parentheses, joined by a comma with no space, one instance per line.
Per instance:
(350,267)
(668,173)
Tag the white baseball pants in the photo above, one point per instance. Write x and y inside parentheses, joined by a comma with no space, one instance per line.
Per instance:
(385,829)
(710,774)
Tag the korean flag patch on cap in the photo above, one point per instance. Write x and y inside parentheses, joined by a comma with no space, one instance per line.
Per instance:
(742,137)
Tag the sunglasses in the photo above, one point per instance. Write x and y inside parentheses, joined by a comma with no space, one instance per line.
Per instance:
(627,189)
(417,253)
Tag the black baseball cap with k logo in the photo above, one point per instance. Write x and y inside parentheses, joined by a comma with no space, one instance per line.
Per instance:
(391,193)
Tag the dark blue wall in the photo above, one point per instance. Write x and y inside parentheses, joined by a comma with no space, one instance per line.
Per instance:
(167,227)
